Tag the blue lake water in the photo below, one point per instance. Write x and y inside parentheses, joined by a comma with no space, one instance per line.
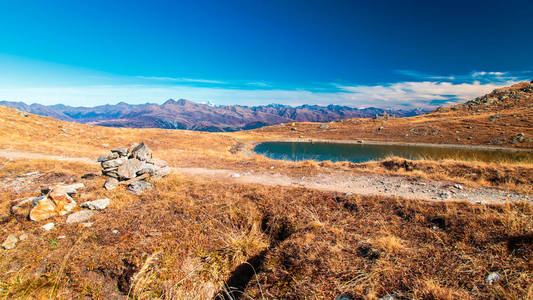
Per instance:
(297,151)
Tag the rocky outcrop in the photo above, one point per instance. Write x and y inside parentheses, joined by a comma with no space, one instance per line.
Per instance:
(131,166)
(53,201)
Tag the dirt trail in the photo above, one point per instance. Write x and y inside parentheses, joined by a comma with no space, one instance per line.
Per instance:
(340,181)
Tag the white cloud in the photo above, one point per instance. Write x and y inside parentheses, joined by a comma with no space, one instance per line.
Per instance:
(402,94)
(418,93)
(173,79)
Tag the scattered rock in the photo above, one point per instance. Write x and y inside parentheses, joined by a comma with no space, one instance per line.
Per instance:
(44,208)
(115,231)
(88,176)
(87,224)
(343,297)
(493,278)
(105,145)
(235,175)
(125,165)
(138,187)
(130,168)
(107,157)
(114,162)
(324,126)
(387,297)
(96,204)
(142,152)
(458,186)
(110,183)
(61,237)
(79,216)
(23,236)
(48,226)
(122,151)
(10,242)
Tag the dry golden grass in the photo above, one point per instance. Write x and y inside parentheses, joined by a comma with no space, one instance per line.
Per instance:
(195,238)
(189,237)
(490,124)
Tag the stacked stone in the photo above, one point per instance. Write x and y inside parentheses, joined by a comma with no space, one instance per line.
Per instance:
(132,166)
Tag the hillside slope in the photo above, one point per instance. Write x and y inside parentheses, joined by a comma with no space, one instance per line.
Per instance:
(502,118)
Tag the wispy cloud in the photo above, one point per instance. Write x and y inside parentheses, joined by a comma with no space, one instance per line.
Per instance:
(480,76)
(184,80)
(418,94)
(259,84)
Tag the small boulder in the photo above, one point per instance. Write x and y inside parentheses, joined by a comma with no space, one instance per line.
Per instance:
(79,216)
(48,226)
(493,278)
(107,157)
(142,152)
(138,187)
(44,208)
(96,204)
(110,183)
(10,242)
(114,162)
(158,163)
(130,168)
(161,172)
(122,151)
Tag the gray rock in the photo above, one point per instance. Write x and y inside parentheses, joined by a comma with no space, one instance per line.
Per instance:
(122,151)
(24,236)
(148,169)
(142,152)
(114,162)
(493,278)
(10,242)
(387,297)
(107,157)
(161,172)
(130,168)
(110,183)
(105,145)
(235,175)
(138,187)
(79,216)
(72,188)
(96,204)
(113,174)
(159,163)
(324,126)
(48,226)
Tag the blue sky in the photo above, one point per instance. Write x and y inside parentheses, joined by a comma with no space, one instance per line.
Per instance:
(356,53)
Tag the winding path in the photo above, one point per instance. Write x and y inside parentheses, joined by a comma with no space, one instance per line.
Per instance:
(340,182)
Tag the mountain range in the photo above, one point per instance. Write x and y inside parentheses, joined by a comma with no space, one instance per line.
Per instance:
(185,114)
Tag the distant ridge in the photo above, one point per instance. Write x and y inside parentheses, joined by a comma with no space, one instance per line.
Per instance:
(185,114)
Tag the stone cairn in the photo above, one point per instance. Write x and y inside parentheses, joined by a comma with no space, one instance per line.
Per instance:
(131,166)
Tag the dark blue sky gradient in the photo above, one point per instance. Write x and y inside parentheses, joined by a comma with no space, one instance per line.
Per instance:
(294,44)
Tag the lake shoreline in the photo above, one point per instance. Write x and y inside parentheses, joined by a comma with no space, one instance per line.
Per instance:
(368,142)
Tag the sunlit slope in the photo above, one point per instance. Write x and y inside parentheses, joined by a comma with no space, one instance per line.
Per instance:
(31,133)
(502,118)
